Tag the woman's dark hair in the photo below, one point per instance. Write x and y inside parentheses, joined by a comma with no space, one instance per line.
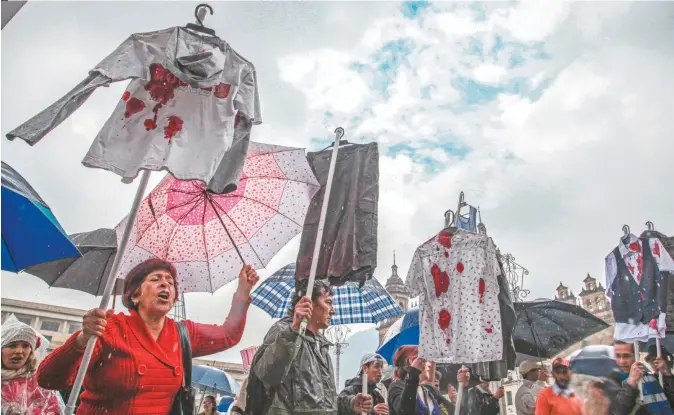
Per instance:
(212,399)
(320,287)
(137,275)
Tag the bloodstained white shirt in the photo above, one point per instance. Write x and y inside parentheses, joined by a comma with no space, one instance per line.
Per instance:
(455,277)
(188,108)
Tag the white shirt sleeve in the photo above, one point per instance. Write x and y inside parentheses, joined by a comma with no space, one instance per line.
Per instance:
(611,272)
(414,283)
(662,257)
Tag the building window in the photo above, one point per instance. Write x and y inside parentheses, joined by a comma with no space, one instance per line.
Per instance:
(48,338)
(73,327)
(50,325)
(509,398)
(24,319)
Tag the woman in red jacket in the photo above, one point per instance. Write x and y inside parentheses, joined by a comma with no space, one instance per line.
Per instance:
(137,368)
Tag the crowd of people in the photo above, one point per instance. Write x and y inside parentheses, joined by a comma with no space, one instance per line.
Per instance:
(137,367)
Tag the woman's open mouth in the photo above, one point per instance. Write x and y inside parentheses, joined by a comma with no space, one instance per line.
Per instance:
(164,295)
(16,359)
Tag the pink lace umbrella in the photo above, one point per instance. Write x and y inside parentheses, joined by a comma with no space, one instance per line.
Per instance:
(208,236)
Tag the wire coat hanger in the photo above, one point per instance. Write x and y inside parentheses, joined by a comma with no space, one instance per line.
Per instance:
(200,27)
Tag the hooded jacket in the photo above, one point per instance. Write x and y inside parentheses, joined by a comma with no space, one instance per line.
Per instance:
(353,387)
(298,368)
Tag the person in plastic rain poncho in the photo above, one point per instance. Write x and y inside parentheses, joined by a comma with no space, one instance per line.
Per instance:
(21,348)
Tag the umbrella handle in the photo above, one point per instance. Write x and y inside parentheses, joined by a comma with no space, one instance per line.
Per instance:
(339,133)
(109,285)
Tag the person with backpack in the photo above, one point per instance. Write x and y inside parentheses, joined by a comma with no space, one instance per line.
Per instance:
(292,373)
(371,364)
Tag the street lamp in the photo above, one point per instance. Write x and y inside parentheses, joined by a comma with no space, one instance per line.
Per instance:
(337,336)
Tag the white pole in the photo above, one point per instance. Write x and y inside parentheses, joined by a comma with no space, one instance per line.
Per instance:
(105,301)
(459,397)
(364,388)
(339,133)
(636,358)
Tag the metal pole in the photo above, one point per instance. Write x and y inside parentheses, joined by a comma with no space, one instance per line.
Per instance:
(110,283)
(337,336)
(339,133)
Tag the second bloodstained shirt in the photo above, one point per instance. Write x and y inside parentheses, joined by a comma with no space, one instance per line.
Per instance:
(188,109)
(456,279)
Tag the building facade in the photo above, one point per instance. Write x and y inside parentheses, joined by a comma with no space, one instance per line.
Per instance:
(565,295)
(396,287)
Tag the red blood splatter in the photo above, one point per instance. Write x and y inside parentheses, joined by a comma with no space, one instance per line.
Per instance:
(634,246)
(222,90)
(174,126)
(459,267)
(653,324)
(489,330)
(440,280)
(445,239)
(640,264)
(656,249)
(133,106)
(446,254)
(444,319)
(126,96)
(481,288)
(150,124)
(448,340)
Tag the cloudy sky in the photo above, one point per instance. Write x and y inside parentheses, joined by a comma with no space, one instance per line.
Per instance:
(554,117)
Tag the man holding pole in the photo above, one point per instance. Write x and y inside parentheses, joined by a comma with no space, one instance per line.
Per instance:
(371,366)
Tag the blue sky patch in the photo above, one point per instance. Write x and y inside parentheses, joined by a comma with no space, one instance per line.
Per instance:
(387,61)
(411,9)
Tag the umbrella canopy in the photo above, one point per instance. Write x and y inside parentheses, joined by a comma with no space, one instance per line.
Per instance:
(30,232)
(213,379)
(369,304)
(546,328)
(225,402)
(207,236)
(88,273)
(594,361)
(405,331)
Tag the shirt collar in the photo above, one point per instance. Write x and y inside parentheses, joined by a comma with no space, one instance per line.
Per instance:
(564,392)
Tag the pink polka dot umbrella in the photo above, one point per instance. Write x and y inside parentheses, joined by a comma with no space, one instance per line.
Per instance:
(209,236)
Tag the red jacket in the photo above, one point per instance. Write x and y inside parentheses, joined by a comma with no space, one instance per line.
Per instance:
(132,374)
(24,396)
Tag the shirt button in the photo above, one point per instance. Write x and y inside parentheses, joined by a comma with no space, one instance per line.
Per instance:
(141,369)
(177,371)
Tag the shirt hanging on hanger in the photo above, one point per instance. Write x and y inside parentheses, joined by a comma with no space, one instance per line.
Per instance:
(349,251)
(456,279)
(637,287)
(188,108)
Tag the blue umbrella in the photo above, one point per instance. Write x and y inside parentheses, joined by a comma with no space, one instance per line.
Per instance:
(370,304)
(225,403)
(214,379)
(594,361)
(404,332)
(30,232)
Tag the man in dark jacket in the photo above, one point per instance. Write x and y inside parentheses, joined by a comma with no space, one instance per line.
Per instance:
(656,399)
(481,401)
(296,368)
(371,364)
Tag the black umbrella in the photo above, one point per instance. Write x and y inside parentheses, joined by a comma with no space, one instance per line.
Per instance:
(594,360)
(88,273)
(546,328)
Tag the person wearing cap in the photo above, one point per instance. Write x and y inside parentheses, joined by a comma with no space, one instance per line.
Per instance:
(534,377)
(559,399)
(481,401)
(20,391)
(371,365)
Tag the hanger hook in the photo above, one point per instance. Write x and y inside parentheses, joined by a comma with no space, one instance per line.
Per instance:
(626,230)
(196,12)
(340,132)
(650,226)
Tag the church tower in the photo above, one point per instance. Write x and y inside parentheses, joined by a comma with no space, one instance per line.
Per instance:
(396,287)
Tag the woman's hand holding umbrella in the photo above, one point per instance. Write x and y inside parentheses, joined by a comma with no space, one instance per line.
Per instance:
(93,324)
(247,279)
